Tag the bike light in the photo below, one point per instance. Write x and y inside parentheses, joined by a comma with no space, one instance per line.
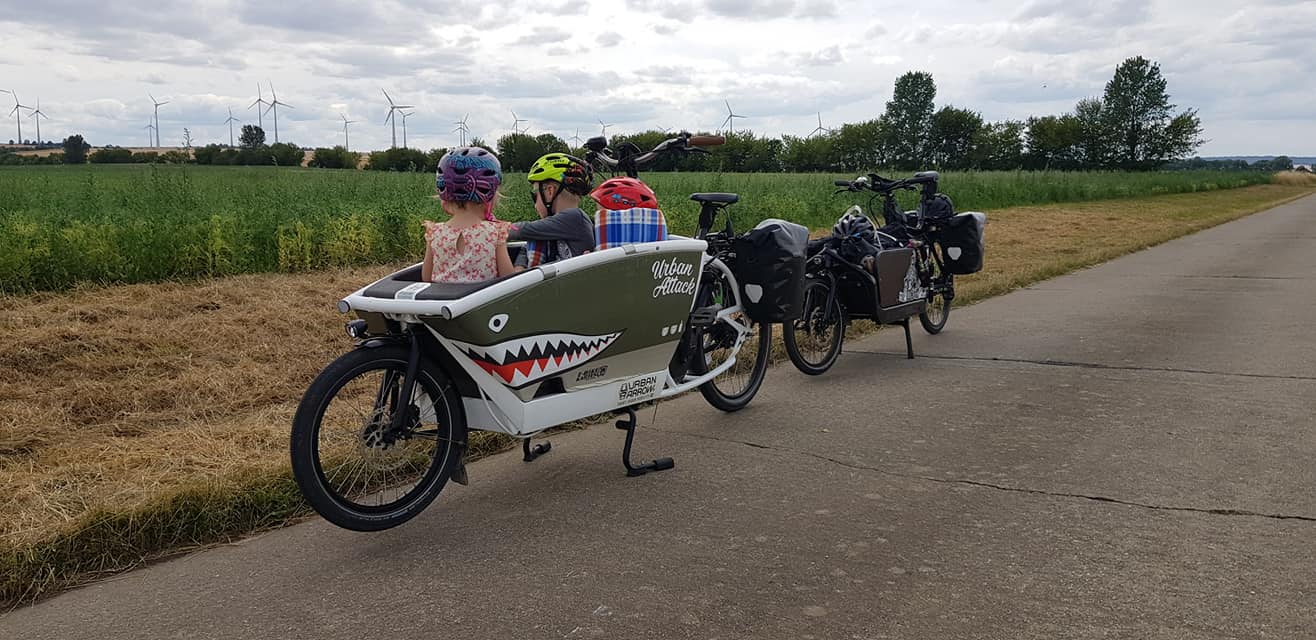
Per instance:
(356,329)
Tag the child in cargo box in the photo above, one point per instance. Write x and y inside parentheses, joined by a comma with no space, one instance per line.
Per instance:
(472,245)
(557,182)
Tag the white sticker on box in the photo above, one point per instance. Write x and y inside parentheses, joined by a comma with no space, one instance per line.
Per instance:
(409,292)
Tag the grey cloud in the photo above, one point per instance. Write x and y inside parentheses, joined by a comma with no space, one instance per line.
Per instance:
(680,10)
(95,19)
(666,75)
(821,58)
(544,35)
(610,39)
(750,8)
(817,9)
(1108,13)
(319,16)
(371,61)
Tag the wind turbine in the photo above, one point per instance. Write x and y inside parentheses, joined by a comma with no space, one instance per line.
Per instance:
(274,106)
(260,111)
(393,106)
(820,128)
(605,127)
(404,126)
(158,104)
(18,117)
(576,138)
(230,122)
(516,121)
(462,128)
(346,143)
(36,113)
(149,128)
(729,123)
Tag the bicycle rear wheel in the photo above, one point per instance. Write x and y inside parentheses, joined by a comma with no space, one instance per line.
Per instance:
(939,283)
(734,388)
(813,341)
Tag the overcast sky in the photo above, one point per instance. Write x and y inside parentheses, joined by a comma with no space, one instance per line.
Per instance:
(1249,68)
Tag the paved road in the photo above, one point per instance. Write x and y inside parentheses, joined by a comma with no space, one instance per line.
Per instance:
(1125,452)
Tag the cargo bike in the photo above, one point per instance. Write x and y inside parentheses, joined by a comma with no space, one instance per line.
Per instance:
(887,275)
(382,430)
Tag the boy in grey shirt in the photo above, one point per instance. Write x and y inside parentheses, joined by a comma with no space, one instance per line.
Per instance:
(557,182)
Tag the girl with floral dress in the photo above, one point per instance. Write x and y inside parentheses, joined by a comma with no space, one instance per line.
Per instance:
(472,245)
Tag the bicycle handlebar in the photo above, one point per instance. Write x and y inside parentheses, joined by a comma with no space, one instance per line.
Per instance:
(874,182)
(684,142)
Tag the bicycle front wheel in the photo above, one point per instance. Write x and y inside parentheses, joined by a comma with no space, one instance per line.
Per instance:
(354,466)
(813,341)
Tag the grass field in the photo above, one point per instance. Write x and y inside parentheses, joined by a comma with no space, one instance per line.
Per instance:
(125,224)
(148,418)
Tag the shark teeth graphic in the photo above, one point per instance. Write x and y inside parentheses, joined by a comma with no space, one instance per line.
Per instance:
(521,361)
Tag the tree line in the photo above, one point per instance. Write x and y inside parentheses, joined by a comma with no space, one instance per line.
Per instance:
(1132,126)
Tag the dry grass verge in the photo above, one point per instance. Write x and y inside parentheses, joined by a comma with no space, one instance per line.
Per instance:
(144,419)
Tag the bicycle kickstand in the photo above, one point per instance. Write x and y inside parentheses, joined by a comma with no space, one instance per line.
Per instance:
(530,453)
(909,341)
(627,424)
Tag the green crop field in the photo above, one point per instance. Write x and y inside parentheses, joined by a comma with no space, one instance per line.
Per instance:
(61,226)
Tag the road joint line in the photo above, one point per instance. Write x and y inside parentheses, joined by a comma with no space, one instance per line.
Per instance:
(998,487)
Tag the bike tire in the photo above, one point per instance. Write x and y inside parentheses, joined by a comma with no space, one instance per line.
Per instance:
(814,309)
(309,458)
(730,399)
(937,313)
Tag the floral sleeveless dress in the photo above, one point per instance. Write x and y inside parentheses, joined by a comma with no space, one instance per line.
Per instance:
(476,260)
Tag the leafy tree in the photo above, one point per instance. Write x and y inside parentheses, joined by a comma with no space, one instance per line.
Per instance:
(1054,142)
(907,120)
(286,154)
(176,156)
(857,146)
(75,150)
(1281,163)
(336,158)
(1094,142)
(1137,116)
(1000,146)
(951,138)
(398,159)
(111,156)
(815,153)
(252,137)
(517,151)
(207,154)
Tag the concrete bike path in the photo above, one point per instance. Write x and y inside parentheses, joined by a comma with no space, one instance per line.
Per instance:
(1124,452)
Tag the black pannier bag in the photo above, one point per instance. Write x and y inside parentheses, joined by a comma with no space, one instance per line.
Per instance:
(770,267)
(961,242)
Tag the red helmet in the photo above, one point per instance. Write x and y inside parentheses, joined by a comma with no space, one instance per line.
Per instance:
(624,193)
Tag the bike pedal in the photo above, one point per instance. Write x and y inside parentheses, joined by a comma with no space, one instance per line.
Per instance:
(704,316)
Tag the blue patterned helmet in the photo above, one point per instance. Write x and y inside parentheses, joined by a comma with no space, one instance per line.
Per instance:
(468,174)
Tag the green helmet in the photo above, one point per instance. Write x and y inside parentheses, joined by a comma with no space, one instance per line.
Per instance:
(574,173)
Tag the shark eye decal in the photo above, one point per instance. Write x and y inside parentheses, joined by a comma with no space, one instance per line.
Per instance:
(498,322)
(521,361)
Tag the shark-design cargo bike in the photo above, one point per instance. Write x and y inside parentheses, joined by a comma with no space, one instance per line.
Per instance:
(383,428)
